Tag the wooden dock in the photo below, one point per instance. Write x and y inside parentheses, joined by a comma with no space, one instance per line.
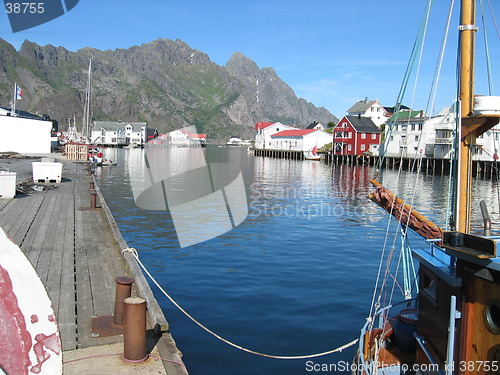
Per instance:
(75,255)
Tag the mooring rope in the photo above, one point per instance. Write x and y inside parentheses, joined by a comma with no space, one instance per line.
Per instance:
(133,251)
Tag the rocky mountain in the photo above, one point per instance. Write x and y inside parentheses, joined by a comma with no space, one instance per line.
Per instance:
(164,83)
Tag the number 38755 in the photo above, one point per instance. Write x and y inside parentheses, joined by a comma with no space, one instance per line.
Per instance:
(24,8)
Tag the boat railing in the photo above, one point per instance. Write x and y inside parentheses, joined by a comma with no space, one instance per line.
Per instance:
(378,313)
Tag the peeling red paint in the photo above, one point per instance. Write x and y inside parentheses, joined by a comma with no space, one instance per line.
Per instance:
(42,341)
(52,318)
(16,340)
(34,319)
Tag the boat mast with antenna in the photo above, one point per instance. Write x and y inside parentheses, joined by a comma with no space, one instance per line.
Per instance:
(86,110)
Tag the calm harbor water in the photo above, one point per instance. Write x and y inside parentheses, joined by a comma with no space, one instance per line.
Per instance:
(295,277)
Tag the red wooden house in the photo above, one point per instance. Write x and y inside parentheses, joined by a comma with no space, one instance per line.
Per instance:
(354,135)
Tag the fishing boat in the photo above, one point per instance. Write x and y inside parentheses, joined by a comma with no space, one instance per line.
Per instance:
(108,163)
(235,141)
(448,318)
(312,154)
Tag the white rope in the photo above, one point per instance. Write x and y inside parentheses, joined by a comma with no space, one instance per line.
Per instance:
(339,349)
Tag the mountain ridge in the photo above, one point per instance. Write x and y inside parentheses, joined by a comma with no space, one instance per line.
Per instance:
(165,83)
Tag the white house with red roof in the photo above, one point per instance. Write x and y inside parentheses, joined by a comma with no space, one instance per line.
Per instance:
(264,131)
(300,139)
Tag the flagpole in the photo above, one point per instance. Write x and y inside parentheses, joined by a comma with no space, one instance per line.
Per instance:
(15,99)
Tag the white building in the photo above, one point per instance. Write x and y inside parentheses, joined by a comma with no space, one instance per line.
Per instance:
(264,131)
(405,134)
(369,108)
(25,135)
(299,139)
(118,133)
(414,135)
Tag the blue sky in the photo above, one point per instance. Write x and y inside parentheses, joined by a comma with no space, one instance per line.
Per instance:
(331,52)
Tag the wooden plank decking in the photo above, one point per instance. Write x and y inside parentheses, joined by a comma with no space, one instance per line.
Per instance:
(77,255)
(72,251)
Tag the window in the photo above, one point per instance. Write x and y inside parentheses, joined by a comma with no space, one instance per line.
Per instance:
(429,286)
(374,136)
(363,135)
(349,135)
(349,147)
(420,126)
(363,147)
(339,135)
(416,138)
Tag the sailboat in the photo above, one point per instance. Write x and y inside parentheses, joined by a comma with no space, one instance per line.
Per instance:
(452,324)
(312,154)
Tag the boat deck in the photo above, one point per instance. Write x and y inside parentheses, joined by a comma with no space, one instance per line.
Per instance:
(73,251)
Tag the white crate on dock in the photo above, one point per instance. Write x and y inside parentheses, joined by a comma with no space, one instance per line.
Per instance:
(7,184)
(47,172)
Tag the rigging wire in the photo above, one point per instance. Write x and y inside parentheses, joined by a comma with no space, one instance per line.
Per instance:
(487,51)
(416,50)
(494,20)
(494,130)
(437,72)
(401,94)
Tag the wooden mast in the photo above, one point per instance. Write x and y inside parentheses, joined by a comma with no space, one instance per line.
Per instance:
(466,86)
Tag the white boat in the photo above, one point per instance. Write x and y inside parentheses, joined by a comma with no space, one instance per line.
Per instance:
(95,156)
(108,163)
(447,320)
(30,336)
(235,141)
(312,154)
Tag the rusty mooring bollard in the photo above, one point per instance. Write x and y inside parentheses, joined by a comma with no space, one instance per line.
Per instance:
(123,291)
(134,330)
(93,199)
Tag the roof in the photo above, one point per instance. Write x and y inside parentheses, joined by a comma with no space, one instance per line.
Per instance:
(25,114)
(313,125)
(117,125)
(294,133)
(406,115)
(263,125)
(391,110)
(362,105)
(363,124)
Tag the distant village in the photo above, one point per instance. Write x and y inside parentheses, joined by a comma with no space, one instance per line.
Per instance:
(367,129)
(372,129)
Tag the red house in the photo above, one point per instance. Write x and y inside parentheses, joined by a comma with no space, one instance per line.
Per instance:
(354,135)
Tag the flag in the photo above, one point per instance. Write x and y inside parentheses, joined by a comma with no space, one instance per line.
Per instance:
(19,93)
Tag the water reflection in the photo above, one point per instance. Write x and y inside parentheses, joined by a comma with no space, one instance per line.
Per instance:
(295,277)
